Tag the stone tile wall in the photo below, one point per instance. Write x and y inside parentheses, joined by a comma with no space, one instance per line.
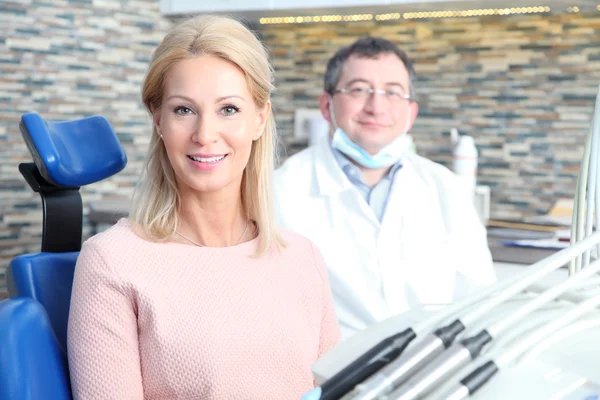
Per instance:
(524,86)
(67,59)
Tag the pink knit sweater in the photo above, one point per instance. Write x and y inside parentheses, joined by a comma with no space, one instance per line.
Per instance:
(172,321)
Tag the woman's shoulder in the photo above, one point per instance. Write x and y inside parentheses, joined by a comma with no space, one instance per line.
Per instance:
(121,234)
(121,248)
(121,241)
(301,251)
(293,239)
(296,243)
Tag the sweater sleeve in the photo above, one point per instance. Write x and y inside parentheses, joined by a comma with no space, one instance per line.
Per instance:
(330,329)
(103,349)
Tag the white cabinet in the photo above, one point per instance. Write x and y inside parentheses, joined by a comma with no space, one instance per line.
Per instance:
(171,7)
(320,4)
(199,6)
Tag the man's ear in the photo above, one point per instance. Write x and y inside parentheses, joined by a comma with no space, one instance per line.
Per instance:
(413,111)
(324,104)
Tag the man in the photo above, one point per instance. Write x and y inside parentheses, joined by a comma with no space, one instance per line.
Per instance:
(396,230)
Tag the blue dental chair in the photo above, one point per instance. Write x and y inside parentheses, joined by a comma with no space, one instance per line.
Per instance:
(33,320)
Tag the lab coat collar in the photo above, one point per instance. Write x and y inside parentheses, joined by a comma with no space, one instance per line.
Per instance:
(330,177)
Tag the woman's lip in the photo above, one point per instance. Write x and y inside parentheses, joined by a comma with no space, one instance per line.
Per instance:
(207,166)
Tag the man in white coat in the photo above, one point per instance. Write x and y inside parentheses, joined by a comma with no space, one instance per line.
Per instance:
(396,230)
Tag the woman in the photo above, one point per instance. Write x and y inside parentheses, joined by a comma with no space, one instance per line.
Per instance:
(197,295)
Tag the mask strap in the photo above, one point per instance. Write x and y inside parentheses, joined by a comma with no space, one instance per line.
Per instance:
(406,127)
(331,114)
(407,123)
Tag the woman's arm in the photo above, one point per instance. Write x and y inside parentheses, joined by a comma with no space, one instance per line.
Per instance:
(330,329)
(103,349)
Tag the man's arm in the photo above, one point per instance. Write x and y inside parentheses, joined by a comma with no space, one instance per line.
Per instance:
(468,241)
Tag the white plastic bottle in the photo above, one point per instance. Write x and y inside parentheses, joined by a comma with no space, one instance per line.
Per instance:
(464,163)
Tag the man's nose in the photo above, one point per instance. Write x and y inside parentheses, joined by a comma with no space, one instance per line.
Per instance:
(376,103)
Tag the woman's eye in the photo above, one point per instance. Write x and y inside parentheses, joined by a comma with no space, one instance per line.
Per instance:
(182,110)
(230,110)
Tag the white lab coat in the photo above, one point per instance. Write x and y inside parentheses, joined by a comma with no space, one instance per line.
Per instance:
(429,243)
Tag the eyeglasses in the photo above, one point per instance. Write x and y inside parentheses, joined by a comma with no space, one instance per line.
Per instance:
(365,92)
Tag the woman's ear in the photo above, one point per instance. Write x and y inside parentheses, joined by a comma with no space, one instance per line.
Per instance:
(262,118)
(156,119)
(155,115)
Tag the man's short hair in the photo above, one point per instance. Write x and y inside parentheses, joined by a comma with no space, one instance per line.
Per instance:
(368,47)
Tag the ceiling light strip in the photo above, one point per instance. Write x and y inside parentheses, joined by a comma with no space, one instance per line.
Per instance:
(316,18)
(408,15)
(476,12)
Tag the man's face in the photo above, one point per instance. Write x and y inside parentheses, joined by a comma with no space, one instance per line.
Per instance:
(372,121)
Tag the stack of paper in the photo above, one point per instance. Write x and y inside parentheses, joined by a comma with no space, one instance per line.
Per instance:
(550,244)
(561,213)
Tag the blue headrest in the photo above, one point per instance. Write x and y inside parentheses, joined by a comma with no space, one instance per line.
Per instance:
(47,278)
(32,364)
(73,153)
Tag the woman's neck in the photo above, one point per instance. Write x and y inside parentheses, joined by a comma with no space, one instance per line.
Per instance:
(212,220)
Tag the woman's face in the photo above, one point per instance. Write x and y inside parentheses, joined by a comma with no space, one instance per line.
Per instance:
(208,121)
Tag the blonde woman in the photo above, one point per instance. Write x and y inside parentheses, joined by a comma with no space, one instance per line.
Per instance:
(197,295)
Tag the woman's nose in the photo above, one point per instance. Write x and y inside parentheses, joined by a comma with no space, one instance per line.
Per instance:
(205,130)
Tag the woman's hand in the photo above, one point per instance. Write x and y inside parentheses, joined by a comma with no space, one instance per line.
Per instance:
(314,394)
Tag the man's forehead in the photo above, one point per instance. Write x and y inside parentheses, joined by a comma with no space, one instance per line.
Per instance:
(383,68)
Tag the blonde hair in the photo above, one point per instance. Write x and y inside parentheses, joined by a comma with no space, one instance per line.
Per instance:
(156,201)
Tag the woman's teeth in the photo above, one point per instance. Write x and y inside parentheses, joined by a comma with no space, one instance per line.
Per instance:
(207,159)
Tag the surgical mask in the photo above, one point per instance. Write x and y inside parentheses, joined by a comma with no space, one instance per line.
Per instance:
(389,155)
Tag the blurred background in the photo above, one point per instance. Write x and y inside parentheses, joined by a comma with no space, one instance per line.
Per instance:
(520,77)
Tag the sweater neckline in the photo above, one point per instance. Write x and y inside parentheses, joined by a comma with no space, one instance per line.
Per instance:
(253,243)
